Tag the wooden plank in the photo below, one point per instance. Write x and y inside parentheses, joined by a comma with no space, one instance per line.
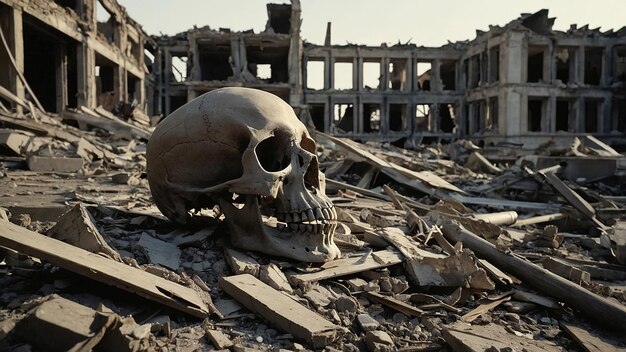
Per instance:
(588,341)
(398,305)
(479,338)
(590,304)
(348,266)
(282,311)
(103,269)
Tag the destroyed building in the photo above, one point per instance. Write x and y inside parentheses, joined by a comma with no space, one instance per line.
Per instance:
(521,83)
(74,54)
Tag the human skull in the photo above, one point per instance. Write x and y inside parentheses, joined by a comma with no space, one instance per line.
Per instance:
(245,150)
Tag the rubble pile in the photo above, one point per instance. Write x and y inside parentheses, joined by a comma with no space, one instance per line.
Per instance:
(450,247)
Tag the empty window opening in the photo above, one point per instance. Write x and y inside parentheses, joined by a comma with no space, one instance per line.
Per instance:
(565,64)
(371,118)
(563,114)
(494,64)
(133,88)
(263,71)
(397,74)
(398,120)
(484,67)
(473,118)
(447,117)
(620,64)
(215,61)
(482,115)
(343,117)
(592,113)
(176,102)
(41,58)
(342,75)
(107,83)
(279,17)
(314,75)
(535,64)
(318,116)
(371,75)
(106,23)
(535,114)
(148,59)
(448,74)
(260,54)
(70,4)
(593,65)
(422,117)
(473,71)
(619,115)
(133,49)
(179,68)
(492,114)
(423,75)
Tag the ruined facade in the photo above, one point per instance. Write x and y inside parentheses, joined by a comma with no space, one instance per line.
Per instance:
(521,83)
(73,54)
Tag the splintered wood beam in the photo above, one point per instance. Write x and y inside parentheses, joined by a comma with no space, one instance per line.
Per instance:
(595,307)
(281,310)
(102,269)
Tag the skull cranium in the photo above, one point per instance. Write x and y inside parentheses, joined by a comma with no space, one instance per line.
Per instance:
(245,150)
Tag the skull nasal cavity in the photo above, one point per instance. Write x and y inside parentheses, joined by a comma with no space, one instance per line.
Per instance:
(272,154)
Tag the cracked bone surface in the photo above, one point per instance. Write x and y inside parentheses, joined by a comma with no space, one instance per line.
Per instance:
(245,150)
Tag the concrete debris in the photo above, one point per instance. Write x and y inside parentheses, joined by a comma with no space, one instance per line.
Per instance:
(281,310)
(448,235)
(160,252)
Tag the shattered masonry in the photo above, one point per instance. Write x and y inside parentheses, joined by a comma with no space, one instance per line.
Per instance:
(523,82)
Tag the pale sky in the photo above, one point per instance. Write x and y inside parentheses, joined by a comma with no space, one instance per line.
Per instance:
(371,22)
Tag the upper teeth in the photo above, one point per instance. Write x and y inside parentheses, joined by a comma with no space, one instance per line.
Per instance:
(308,215)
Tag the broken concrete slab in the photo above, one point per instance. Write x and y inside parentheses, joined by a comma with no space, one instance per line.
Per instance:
(59,324)
(77,227)
(160,252)
(273,276)
(104,270)
(54,164)
(591,341)
(281,310)
(367,323)
(475,338)
(241,263)
(219,339)
(347,266)
(13,143)
(379,341)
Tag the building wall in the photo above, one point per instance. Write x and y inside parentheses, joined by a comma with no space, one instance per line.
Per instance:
(69,58)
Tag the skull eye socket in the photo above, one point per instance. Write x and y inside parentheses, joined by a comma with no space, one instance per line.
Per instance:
(272,154)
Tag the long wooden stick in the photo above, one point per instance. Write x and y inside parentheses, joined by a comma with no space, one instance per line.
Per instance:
(611,314)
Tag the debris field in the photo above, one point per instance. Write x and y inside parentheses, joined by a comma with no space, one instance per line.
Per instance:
(444,247)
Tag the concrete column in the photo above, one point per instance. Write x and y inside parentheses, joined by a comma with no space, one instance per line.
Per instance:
(434,118)
(550,115)
(235,55)
(605,76)
(410,76)
(435,76)
(295,56)
(579,116)
(328,78)
(167,72)
(580,65)
(355,74)
(86,62)
(604,115)
(359,73)
(549,67)
(196,70)
(331,73)
(17,48)
(384,75)
(515,57)
(61,78)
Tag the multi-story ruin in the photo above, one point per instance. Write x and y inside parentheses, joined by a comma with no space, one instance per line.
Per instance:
(72,53)
(520,83)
